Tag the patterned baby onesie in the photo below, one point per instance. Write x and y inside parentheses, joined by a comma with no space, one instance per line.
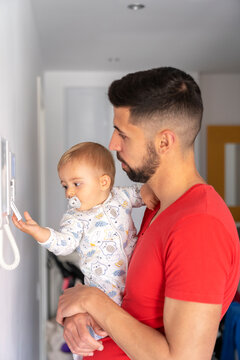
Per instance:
(104,237)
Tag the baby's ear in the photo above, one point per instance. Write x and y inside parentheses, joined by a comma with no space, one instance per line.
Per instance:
(105,182)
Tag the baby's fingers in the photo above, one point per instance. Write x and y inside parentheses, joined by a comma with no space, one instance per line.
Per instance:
(17,223)
(14,218)
(27,216)
(21,225)
(29,219)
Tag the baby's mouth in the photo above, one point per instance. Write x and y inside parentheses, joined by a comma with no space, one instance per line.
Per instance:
(74,202)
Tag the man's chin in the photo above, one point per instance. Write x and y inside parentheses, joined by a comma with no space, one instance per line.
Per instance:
(137,177)
(134,176)
(128,171)
(124,167)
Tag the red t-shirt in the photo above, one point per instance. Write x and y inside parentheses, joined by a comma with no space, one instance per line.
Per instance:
(190,252)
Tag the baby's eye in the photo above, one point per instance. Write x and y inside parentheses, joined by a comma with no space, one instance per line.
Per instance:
(77,184)
(65,187)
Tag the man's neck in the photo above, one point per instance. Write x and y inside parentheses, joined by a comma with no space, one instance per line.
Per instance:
(171,183)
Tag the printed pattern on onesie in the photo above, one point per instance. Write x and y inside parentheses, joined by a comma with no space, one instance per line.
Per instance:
(104,237)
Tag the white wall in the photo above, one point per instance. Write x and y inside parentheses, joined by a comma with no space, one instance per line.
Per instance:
(19,64)
(221,100)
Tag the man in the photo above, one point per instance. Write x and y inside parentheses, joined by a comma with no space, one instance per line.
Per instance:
(185,268)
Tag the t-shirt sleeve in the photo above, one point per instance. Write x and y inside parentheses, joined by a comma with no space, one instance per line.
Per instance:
(198,260)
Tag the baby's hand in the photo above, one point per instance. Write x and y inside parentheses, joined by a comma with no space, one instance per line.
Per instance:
(148,196)
(31,227)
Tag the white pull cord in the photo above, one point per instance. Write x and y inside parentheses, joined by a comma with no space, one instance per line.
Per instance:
(14,247)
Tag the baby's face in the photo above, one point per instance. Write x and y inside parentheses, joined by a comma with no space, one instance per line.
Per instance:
(83,181)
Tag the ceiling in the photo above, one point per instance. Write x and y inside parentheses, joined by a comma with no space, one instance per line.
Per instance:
(194,35)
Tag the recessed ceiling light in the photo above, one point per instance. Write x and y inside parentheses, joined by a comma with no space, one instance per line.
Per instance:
(136,6)
(113,59)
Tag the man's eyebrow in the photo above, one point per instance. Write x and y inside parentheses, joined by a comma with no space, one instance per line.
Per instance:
(119,130)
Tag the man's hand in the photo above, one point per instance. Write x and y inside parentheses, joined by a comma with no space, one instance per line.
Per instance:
(78,337)
(148,197)
(73,301)
(31,227)
(73,316)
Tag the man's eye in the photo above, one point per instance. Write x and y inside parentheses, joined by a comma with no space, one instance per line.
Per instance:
(122,136)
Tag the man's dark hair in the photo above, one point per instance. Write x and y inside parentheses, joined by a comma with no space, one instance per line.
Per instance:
(162,93)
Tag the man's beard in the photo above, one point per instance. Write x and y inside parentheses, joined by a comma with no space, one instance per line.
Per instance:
(148,168)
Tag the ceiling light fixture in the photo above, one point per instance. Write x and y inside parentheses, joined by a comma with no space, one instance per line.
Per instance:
(113,59)
(136,6)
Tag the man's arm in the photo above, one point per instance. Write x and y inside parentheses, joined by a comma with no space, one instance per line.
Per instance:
(190,328)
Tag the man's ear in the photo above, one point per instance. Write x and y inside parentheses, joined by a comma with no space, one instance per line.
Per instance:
(164,141)
(105,182)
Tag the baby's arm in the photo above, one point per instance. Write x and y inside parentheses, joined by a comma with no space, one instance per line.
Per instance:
(67,239)
(140,195)
(32,228)
(148,196)
(61,242)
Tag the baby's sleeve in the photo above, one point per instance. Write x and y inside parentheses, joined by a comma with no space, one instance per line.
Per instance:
(133,194)
(66,240)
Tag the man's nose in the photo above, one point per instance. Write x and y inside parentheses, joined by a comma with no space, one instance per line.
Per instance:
(115,142)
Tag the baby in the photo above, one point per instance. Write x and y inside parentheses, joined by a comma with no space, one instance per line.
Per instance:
(98,224)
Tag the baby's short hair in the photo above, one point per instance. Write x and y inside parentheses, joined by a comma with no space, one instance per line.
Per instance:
(94,154)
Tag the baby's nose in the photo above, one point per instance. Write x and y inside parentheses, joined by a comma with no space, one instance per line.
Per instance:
(70,193)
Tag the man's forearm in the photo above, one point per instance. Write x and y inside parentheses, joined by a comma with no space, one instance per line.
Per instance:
(190,327)
(137,340)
